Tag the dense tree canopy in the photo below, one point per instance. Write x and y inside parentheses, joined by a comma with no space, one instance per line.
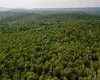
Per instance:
(45,47)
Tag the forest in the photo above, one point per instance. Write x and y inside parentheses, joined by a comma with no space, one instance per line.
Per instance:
(49,45)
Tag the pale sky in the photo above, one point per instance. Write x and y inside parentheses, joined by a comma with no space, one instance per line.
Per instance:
(49,3)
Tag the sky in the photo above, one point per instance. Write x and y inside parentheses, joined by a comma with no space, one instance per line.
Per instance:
(49,3)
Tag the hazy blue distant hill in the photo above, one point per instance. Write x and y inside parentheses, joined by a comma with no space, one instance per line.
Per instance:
(18,10)
(94,10)
(88,9)
(4,9)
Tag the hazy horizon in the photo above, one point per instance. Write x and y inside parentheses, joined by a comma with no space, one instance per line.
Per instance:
(46,7)
(49,3)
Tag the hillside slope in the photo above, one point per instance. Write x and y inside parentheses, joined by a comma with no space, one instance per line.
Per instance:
(35,47)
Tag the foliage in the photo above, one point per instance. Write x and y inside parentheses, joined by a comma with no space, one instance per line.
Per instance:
(65,50)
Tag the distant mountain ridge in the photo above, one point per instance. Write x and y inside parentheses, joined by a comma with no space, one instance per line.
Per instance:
(66,9)
(88,9)
(4,9)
